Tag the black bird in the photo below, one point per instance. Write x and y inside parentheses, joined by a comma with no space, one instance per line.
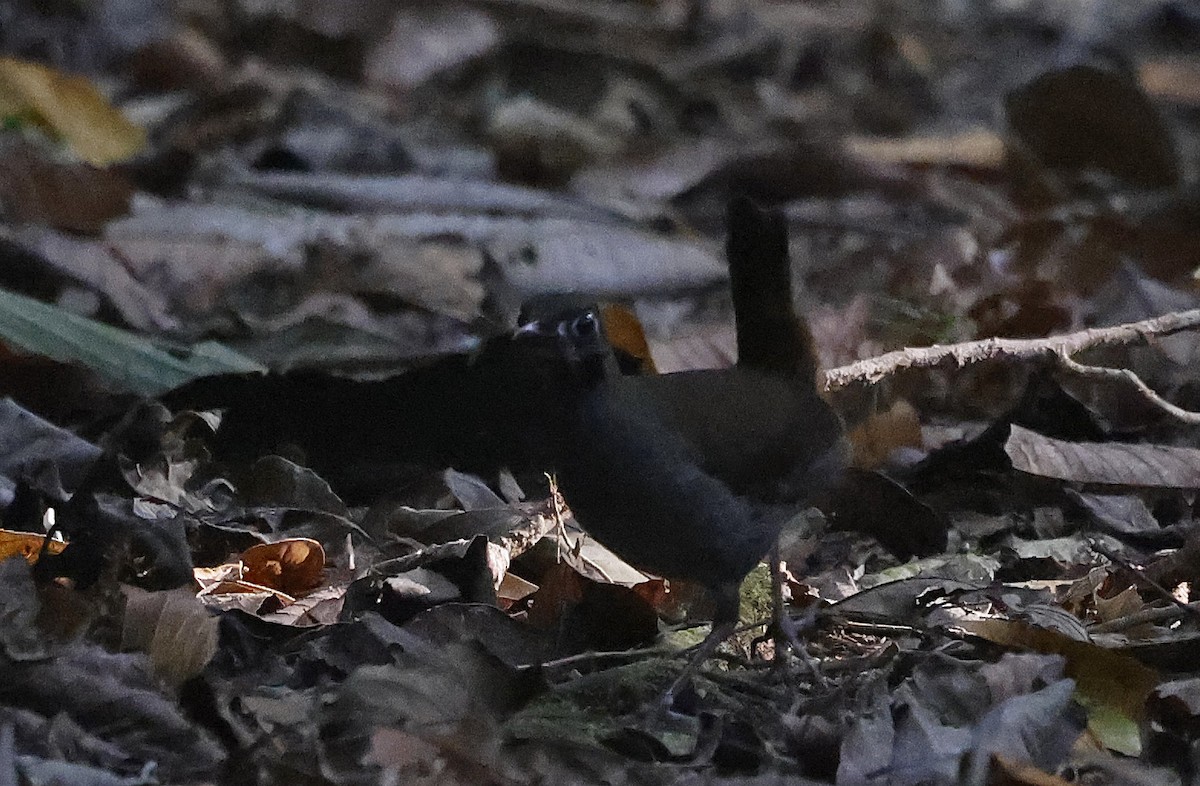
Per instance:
(677,473)
(633,482)
(761,427)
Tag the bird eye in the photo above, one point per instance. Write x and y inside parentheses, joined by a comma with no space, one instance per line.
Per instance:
(585,326)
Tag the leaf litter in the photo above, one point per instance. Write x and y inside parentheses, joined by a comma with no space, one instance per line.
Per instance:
(1002,593)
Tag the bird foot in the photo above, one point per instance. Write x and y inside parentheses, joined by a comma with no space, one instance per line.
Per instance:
(665,706)
(787,634)
(720,631)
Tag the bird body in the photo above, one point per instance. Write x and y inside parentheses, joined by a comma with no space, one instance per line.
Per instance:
(766,436)
(635,485)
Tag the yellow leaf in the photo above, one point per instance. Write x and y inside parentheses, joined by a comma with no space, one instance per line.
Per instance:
(71,107)
(1113,687)
(26,544)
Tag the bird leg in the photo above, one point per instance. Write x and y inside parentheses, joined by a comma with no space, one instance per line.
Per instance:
(726,597)
(786,633)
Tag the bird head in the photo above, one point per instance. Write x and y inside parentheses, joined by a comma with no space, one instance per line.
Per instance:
(575,338)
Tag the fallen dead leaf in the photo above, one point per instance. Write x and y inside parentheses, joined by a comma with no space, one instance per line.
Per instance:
(1115,463)
(71,107)
(1114,687)
(173,628)
(322,607)
(69,196)
(26,544)
(292,566)
(514,588)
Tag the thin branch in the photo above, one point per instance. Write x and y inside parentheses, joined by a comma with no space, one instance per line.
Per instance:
(873,370)
(1145,616)
(1055,350)
(1126,377)
(1095,545)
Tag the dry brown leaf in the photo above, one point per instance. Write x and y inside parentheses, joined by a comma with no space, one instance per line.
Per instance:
(1114,463)
(322,607)
(292,566)
(73,197)
(71,107)
(279,572)
(514,588)
(233,596)
(1081,593)
(1124,603)
(593,561)
(561,588)
(1101,673)
(707,346)
(211,578)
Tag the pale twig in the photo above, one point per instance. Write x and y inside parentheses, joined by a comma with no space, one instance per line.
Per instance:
(1145,616)
(1054,350)
(1126,377)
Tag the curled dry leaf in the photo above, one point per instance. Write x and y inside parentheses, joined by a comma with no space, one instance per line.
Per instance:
(1128,601)
(593,561)
(268,571)
(293,566)
(514,588)
(322,607)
